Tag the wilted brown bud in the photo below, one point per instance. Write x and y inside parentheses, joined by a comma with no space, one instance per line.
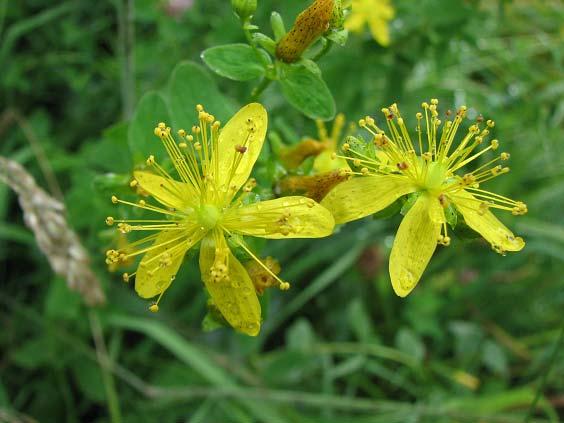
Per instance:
(260,277)
(292,157)
(315,187)
(309,25)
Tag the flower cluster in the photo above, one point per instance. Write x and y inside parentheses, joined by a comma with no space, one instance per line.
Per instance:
(209,204)
(430,168)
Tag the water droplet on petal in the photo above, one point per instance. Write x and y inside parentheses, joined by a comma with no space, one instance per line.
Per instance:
(407,280)
(252,327)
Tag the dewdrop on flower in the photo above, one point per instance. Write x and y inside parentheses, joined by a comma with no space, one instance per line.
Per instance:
(431,166)
(207,206)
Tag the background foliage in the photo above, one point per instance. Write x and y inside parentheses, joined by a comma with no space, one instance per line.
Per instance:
(479,340)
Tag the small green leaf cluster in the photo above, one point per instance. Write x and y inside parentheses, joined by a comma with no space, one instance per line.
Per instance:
(301,83)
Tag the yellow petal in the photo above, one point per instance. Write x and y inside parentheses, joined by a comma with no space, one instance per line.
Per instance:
(286,217)
(159,266)
(380,31)
(485,223)
(235,296)
(355,22)
(168,192)
(362,196)
(415,244)
(236,133)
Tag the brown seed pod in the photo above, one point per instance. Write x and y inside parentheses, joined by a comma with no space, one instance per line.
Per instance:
(309,25)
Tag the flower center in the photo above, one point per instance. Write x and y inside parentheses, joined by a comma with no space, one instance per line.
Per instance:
(435,176)
(209,216)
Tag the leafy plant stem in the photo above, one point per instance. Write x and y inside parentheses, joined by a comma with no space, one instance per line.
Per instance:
(105,367)
(258,90)
(249,37)
(544,377)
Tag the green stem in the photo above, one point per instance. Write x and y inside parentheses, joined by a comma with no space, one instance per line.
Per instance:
(257,91)
(326,49)
(544,377)
(105,367)
(249,37)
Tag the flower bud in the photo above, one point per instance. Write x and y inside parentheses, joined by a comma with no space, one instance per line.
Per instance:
(315,187)
(244,8)
(310,24)
(277,24)
(338,16)
(265,42)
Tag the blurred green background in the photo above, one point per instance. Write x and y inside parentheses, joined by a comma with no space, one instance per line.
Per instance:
(479,340)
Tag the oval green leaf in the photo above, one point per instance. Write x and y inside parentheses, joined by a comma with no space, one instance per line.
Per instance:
(190,85)
(239,62)
(141,138)
(308,93)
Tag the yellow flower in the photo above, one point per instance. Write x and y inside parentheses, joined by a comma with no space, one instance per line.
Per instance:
(375,13)
(209,206)
(432,175)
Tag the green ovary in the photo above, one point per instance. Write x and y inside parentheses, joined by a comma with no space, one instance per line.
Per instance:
(436,175)
(209,216)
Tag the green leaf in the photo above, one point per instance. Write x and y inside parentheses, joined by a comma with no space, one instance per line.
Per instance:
(277,24)
(195,357)
(239,62)
(61,302)
(265,42)
(410,343)
(300,336)
(89,379)
(111,153)
(494,357)
(151,110)
(190,85)
(307,92)
(339,37)
(451,216)
(213,319)
(311,66)
(411,199)
(33,353)
(360,321)
(359,146)
(111,181)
